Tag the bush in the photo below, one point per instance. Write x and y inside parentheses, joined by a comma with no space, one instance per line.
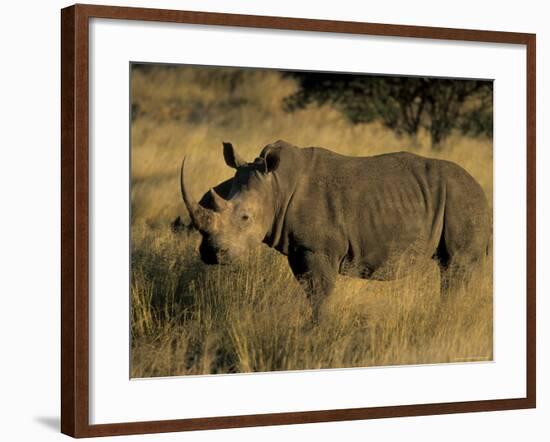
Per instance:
(403,104)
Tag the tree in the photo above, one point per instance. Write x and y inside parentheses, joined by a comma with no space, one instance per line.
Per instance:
(403,104)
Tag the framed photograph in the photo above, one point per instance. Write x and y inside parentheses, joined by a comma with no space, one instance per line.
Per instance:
(271,221)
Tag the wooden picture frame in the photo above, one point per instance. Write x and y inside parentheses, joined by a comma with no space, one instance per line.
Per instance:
(75,218)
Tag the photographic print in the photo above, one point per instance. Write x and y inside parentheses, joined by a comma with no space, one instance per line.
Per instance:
(251,220)
(300,220)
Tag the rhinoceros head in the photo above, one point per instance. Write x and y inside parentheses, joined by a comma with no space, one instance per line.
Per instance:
(238,218)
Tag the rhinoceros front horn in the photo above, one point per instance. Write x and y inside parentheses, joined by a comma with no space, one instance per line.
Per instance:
(202,218)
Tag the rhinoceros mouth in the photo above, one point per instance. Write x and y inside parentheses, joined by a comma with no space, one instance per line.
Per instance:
(210,260)
(208,256)
(212,256)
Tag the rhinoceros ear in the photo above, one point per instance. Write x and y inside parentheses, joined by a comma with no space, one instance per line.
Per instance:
(271,160)
(232,158)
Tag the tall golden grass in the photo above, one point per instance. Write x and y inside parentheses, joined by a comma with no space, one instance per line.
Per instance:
(188,318)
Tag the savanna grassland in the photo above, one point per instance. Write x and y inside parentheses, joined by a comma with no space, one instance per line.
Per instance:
(189,318)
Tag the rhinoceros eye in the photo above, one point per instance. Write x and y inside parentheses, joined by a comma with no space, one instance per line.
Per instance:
(245,217)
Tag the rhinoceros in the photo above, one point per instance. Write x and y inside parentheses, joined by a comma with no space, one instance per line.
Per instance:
(333,214)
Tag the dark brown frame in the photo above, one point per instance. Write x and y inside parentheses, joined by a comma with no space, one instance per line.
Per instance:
(74,220)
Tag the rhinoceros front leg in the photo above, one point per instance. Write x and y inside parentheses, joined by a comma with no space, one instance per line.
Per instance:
(316,274)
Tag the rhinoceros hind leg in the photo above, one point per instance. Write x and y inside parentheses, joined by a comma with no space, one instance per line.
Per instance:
(457,272)
(316,274)
(453,277)
(465,236)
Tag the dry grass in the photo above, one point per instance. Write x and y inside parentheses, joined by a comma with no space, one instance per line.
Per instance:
(193,319)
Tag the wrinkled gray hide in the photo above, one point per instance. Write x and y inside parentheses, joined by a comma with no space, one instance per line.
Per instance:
(333,214)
